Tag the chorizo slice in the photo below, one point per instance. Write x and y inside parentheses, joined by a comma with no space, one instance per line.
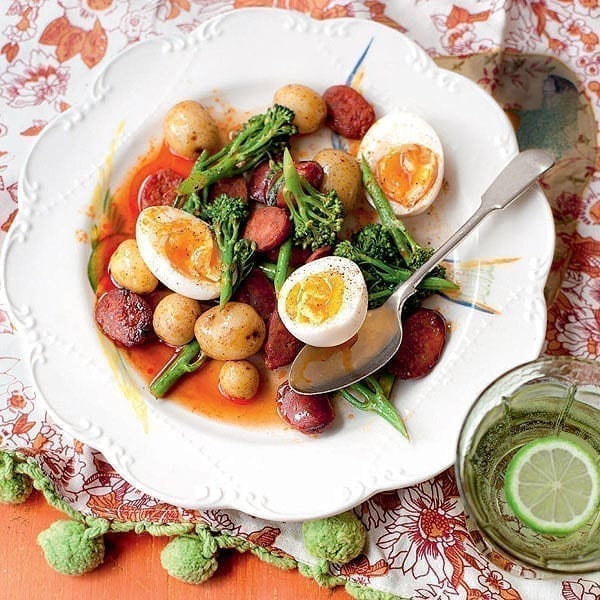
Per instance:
(257,291)
(319,253)
(280,347)
(160,188)
(306,414)
(260,181)
(269,227)
(423,340)
(266,183)
(348,113)
(124,317)
(235,187)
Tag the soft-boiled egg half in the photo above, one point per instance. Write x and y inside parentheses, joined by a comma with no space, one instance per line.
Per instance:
(324,302)
(405,154)
(180,250)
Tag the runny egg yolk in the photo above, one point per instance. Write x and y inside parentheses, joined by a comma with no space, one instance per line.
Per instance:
(316,298)
(407,173)
(191,250)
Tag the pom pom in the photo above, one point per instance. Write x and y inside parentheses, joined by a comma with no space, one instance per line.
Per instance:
(337,539)
(69,549)
(190,558)
(15,489)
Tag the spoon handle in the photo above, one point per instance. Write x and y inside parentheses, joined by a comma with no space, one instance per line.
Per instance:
(515,179)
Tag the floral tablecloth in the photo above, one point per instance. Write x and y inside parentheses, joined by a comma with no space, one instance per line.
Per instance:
(541,61)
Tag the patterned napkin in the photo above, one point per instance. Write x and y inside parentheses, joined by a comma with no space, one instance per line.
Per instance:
(540,60)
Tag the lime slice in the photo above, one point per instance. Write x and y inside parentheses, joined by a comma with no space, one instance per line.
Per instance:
(553,485)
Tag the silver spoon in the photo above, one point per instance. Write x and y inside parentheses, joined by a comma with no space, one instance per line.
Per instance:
(319,370)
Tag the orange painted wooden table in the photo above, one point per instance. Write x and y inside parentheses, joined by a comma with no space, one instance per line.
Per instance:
(132,568)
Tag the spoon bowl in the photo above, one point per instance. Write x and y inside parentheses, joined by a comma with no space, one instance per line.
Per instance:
(319,370)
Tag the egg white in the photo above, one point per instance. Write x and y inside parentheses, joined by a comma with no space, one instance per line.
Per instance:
(347,321)
(394,130)
(152,232)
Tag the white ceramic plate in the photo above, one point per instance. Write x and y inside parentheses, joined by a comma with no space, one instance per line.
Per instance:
(274,473)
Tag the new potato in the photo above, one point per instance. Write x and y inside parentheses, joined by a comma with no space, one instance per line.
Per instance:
(309,108)
(174,319)
(189,129)
(342,174)
(239,379)
(233,332)
(128,269)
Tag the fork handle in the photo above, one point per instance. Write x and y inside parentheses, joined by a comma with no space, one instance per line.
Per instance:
(515,179)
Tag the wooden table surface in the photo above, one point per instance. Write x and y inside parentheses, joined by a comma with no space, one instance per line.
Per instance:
(132,568)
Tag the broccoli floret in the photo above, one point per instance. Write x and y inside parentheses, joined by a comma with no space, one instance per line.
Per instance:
(261,136)
(374,251)
(316,216)
(225,215)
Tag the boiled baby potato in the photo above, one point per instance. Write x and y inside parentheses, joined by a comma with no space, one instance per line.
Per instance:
(233,332)
(174,319)
(189,129)
(128,269)
(342,174)
(309,108)
(239,379)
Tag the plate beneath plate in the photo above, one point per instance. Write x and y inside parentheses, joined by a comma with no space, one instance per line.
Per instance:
(273,472)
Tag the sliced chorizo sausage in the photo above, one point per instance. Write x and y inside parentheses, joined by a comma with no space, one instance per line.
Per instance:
(423,340)
(266,182)
(235,187)
(306,414)
(124,317)
(348,113)
(319,253)
(160,188)
(269,227)
(257,291)
(260,181)
(280,347)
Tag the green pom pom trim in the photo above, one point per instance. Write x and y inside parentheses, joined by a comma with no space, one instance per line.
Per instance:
(337,539)
(190,558)
(16,489)
(70,548)
(86,533)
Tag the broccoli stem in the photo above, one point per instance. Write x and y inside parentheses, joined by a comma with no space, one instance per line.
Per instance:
(187,360)
(372,395)
(283,264)
(404,241)
(228,264)
(316,216)
(260,136)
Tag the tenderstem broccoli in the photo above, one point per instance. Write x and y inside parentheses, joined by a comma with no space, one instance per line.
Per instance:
(372,394)
(413,254)
(373,250)
(189,359)
(226,215)
(316,216)
(283,264)
(261,136)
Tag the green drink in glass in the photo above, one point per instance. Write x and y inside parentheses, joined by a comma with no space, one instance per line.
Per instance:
(528,466)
